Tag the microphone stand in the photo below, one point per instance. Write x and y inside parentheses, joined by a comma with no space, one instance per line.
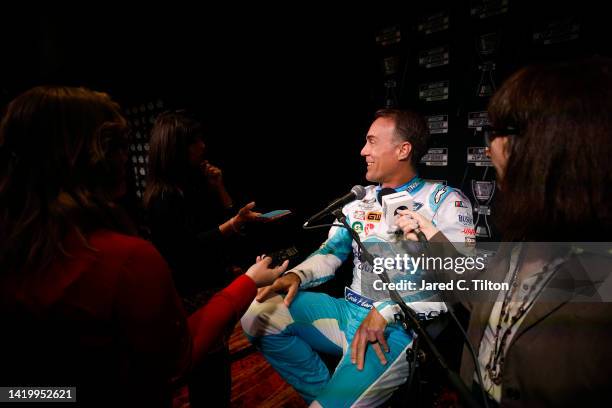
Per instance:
(410,320)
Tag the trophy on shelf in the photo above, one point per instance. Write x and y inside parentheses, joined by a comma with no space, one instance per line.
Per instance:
(390,93)
(487,46)
(483,193)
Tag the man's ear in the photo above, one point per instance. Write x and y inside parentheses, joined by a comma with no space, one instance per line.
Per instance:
(403,151)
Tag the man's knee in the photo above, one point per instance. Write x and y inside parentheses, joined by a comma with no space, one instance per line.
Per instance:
(266,318)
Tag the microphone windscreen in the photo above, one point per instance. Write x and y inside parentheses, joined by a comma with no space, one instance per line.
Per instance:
(359,192)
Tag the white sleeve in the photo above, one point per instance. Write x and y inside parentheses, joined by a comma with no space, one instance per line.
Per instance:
(321,265)
(454,218)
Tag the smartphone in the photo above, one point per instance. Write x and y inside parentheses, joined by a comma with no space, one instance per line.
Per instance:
(278,257)
(275,213)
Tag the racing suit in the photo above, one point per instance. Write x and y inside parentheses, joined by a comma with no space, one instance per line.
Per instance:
(290,337)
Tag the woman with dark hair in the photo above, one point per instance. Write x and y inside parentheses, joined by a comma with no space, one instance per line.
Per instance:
(537,343)
(551,148)
(182,197)
(82,302)
(193,232)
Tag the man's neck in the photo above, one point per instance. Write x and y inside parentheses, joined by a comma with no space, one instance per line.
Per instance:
(399,179)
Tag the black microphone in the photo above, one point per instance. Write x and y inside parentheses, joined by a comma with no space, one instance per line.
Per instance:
(386,191)
(383,192)
(356,193)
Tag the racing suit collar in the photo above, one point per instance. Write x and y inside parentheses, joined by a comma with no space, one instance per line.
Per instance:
(408,186)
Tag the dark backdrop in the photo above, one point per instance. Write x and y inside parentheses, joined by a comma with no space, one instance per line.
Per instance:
(286,95)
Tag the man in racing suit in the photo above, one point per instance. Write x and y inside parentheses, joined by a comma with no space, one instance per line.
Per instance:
(290,329)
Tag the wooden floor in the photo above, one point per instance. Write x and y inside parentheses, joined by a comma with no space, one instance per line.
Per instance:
(255,384)
(254,381)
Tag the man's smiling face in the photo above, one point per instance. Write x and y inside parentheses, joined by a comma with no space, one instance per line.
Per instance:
(381,151)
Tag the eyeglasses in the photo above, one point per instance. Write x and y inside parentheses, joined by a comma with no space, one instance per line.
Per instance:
(491,133)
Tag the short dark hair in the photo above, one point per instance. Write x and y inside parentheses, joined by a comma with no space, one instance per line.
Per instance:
(410,127)
(556,185)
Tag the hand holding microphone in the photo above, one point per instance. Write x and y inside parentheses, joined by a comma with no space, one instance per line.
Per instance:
(413,224)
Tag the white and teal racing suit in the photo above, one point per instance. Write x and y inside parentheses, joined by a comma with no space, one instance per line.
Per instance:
(290,337)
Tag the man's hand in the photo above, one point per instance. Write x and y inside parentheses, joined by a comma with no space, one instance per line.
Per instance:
(289,283)
(262,274)
(371,330)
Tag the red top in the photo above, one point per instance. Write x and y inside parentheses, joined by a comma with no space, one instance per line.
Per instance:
(108,318)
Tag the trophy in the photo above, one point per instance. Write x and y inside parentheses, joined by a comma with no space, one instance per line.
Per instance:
(483,193)
(391,93)
(487,46)
(390,65)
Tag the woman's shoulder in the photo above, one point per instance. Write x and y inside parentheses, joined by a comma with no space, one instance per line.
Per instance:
(165,201)
(593,266)
(120,246)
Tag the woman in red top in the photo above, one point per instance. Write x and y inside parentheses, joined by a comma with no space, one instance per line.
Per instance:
(83,303)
